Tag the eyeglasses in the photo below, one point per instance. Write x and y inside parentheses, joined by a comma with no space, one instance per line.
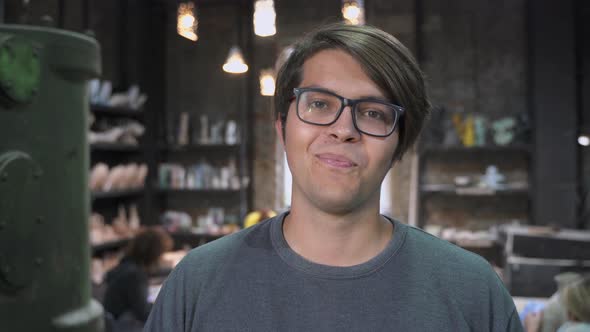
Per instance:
(370,116)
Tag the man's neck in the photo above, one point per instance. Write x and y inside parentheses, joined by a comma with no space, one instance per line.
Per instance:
(337,240)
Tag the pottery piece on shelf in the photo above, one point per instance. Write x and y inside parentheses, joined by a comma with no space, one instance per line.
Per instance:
(98,176)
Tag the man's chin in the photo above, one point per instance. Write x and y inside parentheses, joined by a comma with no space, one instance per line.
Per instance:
(337,205)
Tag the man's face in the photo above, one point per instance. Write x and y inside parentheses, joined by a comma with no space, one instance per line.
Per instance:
(336,168)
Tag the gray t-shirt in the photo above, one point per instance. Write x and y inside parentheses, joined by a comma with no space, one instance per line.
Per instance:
(253,281)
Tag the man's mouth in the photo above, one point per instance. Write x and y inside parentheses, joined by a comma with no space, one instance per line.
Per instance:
(336,160)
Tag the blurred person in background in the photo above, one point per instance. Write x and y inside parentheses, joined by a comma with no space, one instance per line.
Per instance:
(575,299)
(126,295)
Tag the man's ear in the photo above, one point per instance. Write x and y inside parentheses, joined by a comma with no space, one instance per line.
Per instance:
(279,131)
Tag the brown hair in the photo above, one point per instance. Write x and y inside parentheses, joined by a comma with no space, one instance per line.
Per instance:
(384,59)
(148,245)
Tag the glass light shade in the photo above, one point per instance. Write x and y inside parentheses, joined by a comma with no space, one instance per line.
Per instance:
(235,62)
(186,21)
(267,83)
(584,140)
(353,12)
(265,18)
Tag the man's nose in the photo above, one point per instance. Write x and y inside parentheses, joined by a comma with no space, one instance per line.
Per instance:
(343,129)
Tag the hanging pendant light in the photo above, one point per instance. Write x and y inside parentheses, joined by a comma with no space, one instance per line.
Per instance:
(267,82)
(235,62)
(265,18)
(353,12)
(186,21)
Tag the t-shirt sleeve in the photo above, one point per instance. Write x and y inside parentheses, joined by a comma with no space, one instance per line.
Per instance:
(514,323)
(169,311)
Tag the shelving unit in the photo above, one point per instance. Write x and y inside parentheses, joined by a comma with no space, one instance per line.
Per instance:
(101,110)
(107,203)
(442,203)
(182,191)
(115,147)
(227,148)
(192,127)
(514,148)
(109,246)
(194,200)
(192,239)
(116,194)
(449,189)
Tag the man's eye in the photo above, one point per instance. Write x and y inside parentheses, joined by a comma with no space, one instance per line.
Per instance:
(318,105)
(373,114)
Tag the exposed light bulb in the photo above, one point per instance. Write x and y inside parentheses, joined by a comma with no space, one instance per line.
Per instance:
(353,12)
(267,83)
(584,140)
(186,21)
(265,18)
(235,62)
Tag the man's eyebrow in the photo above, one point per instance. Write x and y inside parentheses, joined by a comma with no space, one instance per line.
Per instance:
(375,97)
(381,98)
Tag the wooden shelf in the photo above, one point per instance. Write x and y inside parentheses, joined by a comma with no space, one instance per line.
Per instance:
(199,191)
(515,148)
(117,194)
(101,248)
(185,234)
(199,147)
(114,147)
(192,239)
(448,189)
(115,111)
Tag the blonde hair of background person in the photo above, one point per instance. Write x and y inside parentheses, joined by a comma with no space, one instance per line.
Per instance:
(575,299)
(577,303)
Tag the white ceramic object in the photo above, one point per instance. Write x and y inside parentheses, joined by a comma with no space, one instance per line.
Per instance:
(98,176)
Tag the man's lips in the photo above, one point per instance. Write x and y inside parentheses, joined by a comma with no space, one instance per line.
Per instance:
(336,160)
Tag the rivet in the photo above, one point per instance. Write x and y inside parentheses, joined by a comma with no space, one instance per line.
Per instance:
(2,224)
(4,177)
(38,261)
(39,220)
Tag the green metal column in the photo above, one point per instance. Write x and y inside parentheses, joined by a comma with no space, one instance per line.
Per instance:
(44,203)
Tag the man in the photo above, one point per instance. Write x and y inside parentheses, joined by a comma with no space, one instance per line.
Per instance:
(350,101)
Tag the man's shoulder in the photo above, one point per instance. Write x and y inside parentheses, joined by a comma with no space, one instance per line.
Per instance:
(211,255)
(445,258)
(463,277)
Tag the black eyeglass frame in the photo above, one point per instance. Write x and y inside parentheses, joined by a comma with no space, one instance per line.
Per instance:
(398,110)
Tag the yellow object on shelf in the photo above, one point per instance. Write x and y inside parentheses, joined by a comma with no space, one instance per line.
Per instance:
(468,137)
(257,216)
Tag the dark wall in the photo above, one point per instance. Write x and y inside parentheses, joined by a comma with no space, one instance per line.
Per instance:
(115,24)
(474,54)
(583,81)
(554,103)
(196,81)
